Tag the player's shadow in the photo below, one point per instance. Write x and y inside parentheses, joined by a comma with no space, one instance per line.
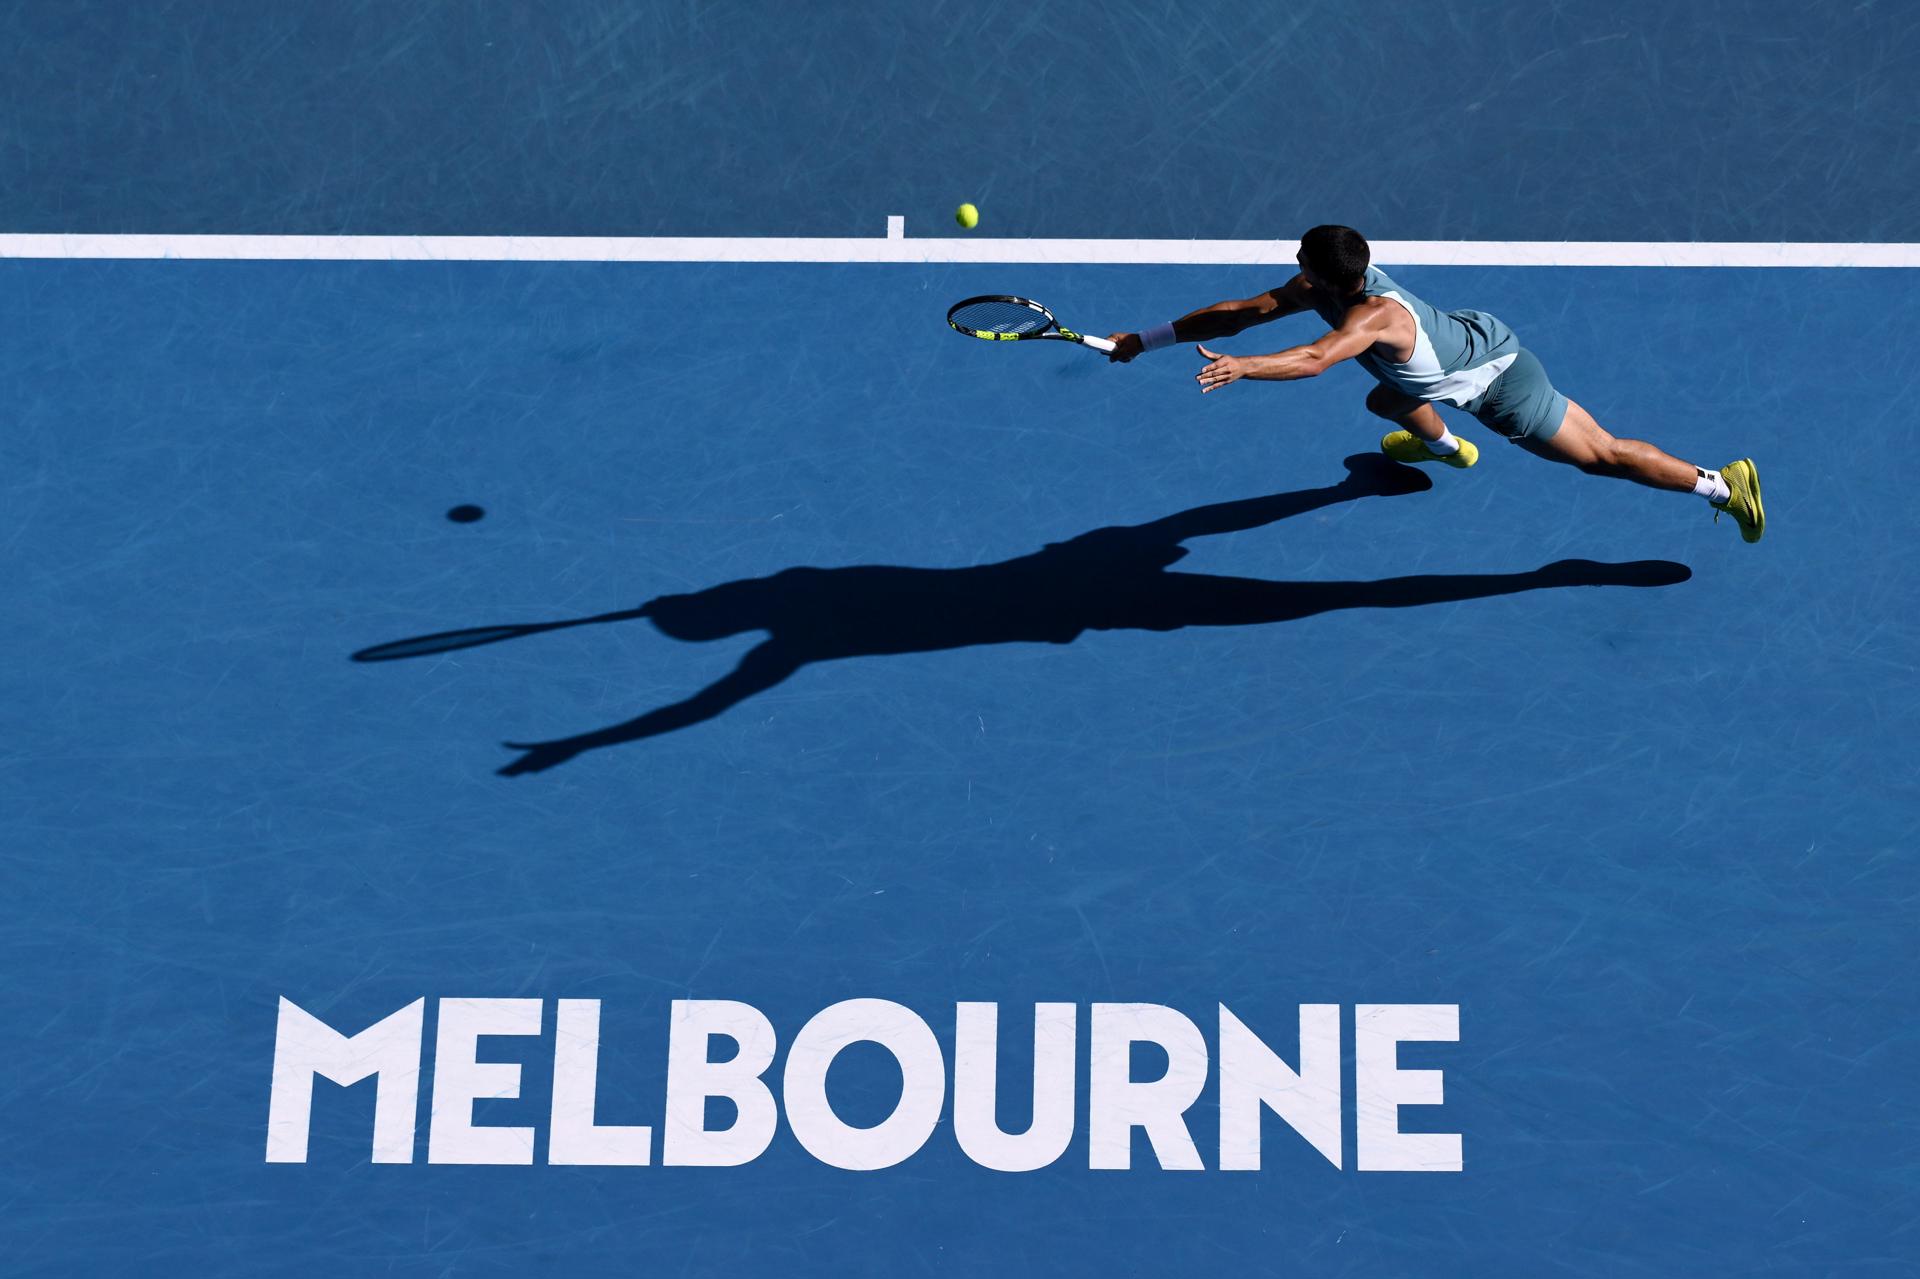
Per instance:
(1104,580)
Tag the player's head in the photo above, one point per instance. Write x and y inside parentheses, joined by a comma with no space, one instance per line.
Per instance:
(1335,258)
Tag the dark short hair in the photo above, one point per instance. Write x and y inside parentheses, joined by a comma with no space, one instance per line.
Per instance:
(1338,254)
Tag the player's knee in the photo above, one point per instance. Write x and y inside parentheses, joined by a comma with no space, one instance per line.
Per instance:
(1604,457)
(1384,403)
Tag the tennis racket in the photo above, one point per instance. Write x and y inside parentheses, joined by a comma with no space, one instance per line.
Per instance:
(999,318)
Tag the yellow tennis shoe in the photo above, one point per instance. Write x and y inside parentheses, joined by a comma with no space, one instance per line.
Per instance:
(1405,446)
(1743,499)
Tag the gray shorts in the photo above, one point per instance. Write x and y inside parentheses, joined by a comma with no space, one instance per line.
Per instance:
(1521,404)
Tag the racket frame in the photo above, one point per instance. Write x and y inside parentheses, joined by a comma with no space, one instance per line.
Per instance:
(1055,331)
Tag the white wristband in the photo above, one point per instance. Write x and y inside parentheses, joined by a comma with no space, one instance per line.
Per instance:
(1158,336)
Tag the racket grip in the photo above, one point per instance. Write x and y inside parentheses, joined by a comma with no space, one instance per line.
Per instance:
(1098,344)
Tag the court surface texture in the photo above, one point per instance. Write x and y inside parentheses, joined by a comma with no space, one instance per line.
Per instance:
(940,672)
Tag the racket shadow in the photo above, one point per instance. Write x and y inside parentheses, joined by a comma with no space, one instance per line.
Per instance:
(1107,579)
(477,636)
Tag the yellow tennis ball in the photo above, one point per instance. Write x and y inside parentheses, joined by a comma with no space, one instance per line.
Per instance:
(967,216)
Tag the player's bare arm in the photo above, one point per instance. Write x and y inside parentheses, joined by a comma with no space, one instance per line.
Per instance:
(1222,319)
(1374,322)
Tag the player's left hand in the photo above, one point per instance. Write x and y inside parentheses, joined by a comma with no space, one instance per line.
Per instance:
(1223,370)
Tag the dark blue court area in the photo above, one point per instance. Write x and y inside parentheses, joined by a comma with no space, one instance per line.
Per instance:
(982,811)
(1410,119)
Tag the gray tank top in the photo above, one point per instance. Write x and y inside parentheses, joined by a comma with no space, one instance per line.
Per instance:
(1456,354)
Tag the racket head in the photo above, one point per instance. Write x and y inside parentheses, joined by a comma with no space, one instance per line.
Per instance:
(1001,317)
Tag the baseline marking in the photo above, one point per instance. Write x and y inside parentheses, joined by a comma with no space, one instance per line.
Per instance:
(1037,252)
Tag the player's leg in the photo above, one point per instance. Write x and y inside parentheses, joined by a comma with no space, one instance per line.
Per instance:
(1523,406)
(1423,437)
(1584,443)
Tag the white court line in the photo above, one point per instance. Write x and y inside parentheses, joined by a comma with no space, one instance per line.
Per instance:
(510,248)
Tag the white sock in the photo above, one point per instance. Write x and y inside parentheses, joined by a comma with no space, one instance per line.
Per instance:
(1446,445)
(1711,486)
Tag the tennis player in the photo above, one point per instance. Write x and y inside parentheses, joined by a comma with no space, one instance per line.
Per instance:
(1422,357)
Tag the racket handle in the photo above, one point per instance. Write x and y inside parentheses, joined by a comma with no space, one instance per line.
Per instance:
(1098,344)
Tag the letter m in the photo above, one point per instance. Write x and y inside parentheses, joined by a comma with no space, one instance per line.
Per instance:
(305,1046)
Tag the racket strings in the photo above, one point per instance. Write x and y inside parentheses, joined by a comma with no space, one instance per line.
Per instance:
(994,316)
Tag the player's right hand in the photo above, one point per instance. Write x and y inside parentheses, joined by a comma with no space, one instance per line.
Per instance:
(1125,347)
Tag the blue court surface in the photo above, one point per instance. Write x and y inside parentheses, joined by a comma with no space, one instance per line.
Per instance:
(875,687)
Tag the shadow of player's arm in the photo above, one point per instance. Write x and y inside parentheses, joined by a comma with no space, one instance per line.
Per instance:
(764,666)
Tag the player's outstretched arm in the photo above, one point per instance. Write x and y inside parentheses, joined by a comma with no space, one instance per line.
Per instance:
(1222,319)
(1364,326)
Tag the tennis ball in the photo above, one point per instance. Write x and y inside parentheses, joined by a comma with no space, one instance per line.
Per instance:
(967,216)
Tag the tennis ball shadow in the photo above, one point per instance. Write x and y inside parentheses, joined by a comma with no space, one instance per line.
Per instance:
(1112,578)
